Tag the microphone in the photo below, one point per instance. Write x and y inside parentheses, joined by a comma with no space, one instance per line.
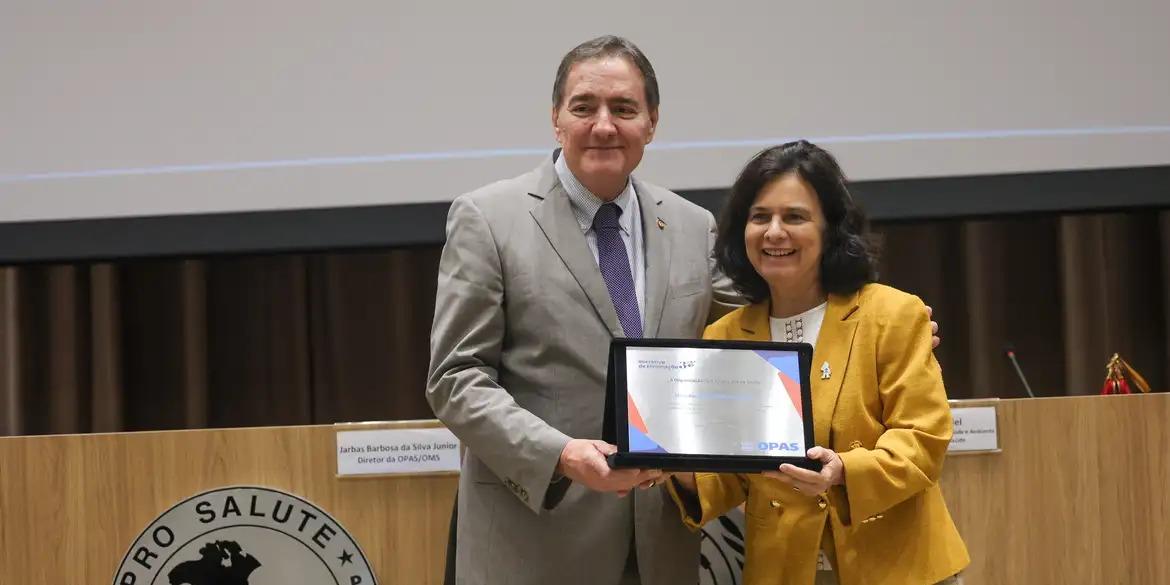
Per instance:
(1010,352)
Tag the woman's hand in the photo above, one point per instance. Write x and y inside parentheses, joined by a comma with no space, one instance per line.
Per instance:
(811,483)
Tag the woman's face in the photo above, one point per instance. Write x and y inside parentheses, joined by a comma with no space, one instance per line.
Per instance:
(784,234)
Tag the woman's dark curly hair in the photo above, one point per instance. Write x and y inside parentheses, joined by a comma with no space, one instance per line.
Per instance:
(849,255)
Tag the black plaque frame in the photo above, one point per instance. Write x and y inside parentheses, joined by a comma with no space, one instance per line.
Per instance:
(616,419)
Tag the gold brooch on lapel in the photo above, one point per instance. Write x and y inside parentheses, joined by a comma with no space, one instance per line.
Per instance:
(826,373)
(661,224)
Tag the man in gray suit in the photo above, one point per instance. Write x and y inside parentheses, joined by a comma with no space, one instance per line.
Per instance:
(539,272)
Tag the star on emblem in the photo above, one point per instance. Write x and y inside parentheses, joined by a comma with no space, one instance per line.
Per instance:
(345,557)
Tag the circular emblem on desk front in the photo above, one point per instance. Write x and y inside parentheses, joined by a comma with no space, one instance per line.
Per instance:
(721,553)
(244,536)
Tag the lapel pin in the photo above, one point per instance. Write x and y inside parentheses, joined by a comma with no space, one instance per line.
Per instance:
(826,373)
(661,224)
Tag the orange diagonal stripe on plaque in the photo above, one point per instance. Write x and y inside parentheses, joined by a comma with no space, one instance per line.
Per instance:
(635,416)
(793,392)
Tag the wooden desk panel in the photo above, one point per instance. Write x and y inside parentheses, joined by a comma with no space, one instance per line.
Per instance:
(70,506)
(1078,495)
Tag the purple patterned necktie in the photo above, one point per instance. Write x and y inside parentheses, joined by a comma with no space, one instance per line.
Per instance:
(615,268)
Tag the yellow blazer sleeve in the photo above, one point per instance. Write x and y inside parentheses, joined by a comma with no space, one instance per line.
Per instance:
(718,493)
(908,456)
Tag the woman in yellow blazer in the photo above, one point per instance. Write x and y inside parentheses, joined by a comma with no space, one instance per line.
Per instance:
(796,245)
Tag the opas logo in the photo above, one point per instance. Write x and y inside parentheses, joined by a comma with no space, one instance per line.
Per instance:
(768,446)
(244,536)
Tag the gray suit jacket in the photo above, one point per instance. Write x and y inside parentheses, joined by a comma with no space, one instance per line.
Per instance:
(519,348)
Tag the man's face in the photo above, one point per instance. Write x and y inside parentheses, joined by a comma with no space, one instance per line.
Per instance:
(603,123)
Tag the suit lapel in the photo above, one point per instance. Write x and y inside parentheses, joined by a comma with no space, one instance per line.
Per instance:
(834,346)
(657,255)
(556,220)
(754,322)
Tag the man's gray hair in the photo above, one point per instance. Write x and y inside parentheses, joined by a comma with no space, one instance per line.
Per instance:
(607,46)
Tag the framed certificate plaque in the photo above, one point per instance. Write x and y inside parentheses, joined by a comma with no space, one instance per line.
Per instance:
(705,405)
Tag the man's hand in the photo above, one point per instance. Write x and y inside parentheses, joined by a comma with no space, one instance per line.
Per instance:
(583,461)
(934,338)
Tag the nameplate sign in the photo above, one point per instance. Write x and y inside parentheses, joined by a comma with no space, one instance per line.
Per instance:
(397,452)
(975,430)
